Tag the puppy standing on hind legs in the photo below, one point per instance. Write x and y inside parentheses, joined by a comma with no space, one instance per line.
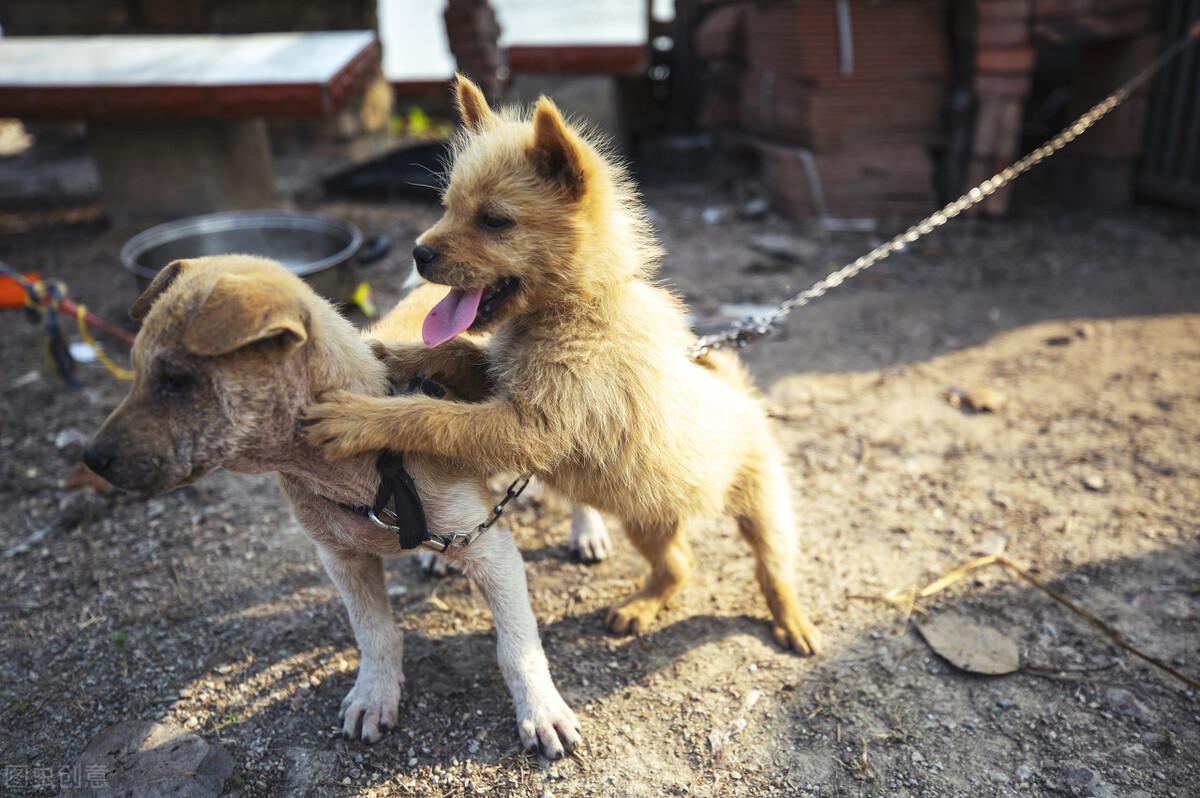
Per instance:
(545,245)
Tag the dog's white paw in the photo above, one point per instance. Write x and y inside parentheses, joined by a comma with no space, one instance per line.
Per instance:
(433,564)
(589,536)
(547,725)
(373,705)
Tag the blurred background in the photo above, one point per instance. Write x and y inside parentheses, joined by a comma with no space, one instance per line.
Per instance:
(840,111)
(1026,381)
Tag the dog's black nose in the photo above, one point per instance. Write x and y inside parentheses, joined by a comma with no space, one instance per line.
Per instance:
(423,256)
(98,457)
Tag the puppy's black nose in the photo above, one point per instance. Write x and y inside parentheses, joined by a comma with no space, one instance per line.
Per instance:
(98,457)
(424,256)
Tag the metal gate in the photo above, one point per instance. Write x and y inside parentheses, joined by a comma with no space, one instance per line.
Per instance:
(1171,158)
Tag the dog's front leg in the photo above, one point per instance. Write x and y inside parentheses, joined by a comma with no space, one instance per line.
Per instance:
(544,721)
(491,434)
(373,704)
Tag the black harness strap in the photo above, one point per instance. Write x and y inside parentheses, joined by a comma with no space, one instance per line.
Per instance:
(397,487)
(406,516)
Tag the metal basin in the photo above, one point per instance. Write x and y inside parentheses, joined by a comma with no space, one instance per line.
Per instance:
(320,249)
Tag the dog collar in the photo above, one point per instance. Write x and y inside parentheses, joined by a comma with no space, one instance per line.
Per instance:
(406,516)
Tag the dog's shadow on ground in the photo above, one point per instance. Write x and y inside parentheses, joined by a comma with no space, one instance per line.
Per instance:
(270,673)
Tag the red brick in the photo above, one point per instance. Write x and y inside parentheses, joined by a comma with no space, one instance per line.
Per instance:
(1002,33)
(1003,9)
(1015,60)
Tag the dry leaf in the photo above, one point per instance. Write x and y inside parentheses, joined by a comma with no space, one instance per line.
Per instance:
(970,646)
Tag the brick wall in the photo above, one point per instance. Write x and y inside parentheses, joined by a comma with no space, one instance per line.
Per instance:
(841,131)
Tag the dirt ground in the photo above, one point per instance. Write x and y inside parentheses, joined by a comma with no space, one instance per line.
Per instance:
(208,606)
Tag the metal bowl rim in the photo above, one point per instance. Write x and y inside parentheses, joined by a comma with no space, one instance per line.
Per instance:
(226,221)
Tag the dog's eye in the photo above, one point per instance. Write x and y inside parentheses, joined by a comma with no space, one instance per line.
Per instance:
(176,383)
(495,222)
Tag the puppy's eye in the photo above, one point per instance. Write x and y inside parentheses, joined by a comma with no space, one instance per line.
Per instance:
(491,222)
(176,383)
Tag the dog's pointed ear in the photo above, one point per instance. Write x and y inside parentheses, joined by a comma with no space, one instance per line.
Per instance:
(161,282)
(473,107)
(556,153)
(238,312)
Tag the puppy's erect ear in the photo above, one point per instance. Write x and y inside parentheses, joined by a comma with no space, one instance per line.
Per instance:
(161,282)
(240,311)
(556,153)
(472,105)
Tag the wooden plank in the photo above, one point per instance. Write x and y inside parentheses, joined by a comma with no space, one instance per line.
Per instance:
(136,77)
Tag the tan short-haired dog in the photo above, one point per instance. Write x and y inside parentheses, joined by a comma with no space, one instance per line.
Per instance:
(231,349)
(545,245)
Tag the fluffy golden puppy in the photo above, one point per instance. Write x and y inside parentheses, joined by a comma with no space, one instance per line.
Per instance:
(544,244)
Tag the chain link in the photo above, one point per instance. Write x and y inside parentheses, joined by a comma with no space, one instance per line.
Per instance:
(517,487)
(755,327)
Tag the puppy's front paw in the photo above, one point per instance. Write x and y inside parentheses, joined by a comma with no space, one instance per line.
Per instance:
(337,425)
(373,705)
(547,725)
(589,536)
(433,564)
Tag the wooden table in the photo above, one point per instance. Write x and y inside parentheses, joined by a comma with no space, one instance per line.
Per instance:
(176,123)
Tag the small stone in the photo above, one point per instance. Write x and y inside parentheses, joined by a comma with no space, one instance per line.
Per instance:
(785,247)
(1094,482)
(1077,778)
(70,438)
(133,754)
(1124,703)
(1024,773)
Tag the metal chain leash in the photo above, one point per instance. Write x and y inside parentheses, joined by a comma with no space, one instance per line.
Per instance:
(514,490)
(755,327)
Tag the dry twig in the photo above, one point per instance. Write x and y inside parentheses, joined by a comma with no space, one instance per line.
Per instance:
(907,600)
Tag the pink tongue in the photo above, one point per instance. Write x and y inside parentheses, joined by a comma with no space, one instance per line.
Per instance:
(451,316)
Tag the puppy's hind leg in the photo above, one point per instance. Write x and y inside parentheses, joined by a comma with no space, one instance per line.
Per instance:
(373,704)
(761,503)
(666,547)
(544,721)
(589,535)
